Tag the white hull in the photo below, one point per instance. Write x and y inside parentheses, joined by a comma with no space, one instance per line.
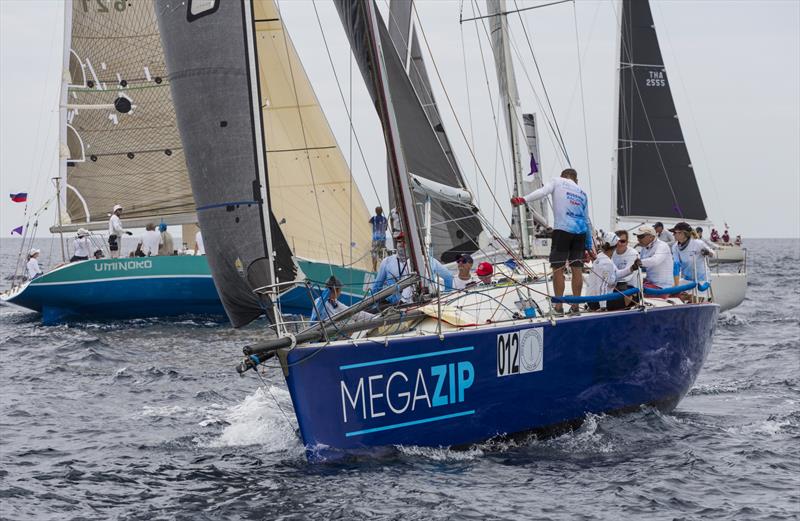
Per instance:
(727,253)
(729,289)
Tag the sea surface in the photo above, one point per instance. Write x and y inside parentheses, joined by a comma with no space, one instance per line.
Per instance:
(147,419)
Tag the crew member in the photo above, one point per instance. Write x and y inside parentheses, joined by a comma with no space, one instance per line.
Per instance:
(199,247)
(572,234)
(379,226)
(32,267)
(655,257)
(623,257)
(484,272)
(82,246)
(464,277)
(115,231)
(663,234)
(726,238)
(604,276)
(151,240)
(688,255)
(167,246)
(699,232)
(395,267)
(327,305)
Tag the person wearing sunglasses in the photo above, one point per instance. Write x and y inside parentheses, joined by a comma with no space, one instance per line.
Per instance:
(623,257)
(689,255)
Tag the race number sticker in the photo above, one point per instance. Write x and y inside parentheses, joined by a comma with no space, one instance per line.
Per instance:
(520,352)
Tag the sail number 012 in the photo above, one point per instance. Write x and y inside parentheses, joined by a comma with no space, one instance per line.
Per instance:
(508,354)
(104,6)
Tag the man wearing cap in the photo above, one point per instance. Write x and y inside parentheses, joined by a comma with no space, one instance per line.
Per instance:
(115,231)
(464,277)
(395,267)
(572,233)
(484,272)
(82,246)
(327,305)
(379,226)
(689,255)
(663,234)
(32,267)
(655,257)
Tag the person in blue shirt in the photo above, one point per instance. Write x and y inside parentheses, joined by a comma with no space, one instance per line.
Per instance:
(327,305)
(395,267)
(379,227)
(572,229)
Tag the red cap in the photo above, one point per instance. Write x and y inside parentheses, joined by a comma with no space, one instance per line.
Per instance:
(484,269)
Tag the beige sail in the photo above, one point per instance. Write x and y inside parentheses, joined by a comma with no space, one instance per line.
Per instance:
(134,159)
(311,190)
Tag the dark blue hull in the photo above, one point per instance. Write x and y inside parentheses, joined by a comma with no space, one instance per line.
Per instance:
(477,384)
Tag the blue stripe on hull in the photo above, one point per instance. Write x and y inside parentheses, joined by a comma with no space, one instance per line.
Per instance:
(430,392)
(115,298)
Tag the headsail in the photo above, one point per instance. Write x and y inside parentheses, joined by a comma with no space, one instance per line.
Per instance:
(426,149)
(212,62)
(120,142)
(309,180)
(655,178)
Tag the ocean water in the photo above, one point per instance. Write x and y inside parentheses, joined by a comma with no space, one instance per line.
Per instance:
(147,419)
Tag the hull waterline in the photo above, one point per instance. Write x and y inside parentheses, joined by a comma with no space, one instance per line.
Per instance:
(359,396)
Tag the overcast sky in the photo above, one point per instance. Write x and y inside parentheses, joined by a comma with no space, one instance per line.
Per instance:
(734,67)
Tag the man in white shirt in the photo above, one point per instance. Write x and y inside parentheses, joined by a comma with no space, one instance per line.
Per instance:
(199,247)
(151,240)
(464,277)
(572,229)
(699,231)
(604,277)
(624,255)
(656,258)
(32,267)
(664,235)
(82,246)
(327,305)
(115,231)
(395,267)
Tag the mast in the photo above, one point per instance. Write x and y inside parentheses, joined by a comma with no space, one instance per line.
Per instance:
(397,162)
(507,84)
(613,217)
(61,180)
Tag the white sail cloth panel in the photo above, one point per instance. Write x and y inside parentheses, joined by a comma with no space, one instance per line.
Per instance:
(304,163)
(134,159)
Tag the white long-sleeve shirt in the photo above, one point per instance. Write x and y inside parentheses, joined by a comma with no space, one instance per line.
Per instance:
(151,240)
(83,248)
(570,206)
(667,237)
(33,268)
(625,260)
(604,276)
(115,226)
(657,259)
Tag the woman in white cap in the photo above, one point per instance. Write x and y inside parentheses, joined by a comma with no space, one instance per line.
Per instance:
(115,231)
(82,246)
(32,267)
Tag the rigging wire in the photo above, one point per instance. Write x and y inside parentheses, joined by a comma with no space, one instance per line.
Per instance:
(286,45)
(544,87)
(344,102)
(583,107)
(469,99)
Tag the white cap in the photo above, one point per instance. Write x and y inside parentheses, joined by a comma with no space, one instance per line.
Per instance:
(34,251)
(116,207)
(646,230)
(611,238)
(83,232)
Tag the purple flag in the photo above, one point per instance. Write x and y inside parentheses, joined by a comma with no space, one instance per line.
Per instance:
(534,166)
(17,230)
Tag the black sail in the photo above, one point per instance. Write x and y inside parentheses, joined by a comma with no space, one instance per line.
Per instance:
(207,58)
(654,172)
(428,154)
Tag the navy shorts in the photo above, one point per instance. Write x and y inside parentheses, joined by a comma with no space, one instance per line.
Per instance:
(567,247)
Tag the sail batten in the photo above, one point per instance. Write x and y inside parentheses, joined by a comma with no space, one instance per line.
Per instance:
(655,177)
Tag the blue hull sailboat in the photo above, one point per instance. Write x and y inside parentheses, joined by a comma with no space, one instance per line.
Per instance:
(438,369)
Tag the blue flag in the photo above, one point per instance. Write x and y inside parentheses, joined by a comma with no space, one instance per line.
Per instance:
(17,230)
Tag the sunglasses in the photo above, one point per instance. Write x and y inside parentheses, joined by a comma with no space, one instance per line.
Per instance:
(622,241)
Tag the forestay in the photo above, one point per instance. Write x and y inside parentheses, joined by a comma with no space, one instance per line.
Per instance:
(655,179)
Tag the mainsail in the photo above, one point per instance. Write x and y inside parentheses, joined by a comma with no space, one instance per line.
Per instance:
(427,151)
(655,179)
(120,142)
